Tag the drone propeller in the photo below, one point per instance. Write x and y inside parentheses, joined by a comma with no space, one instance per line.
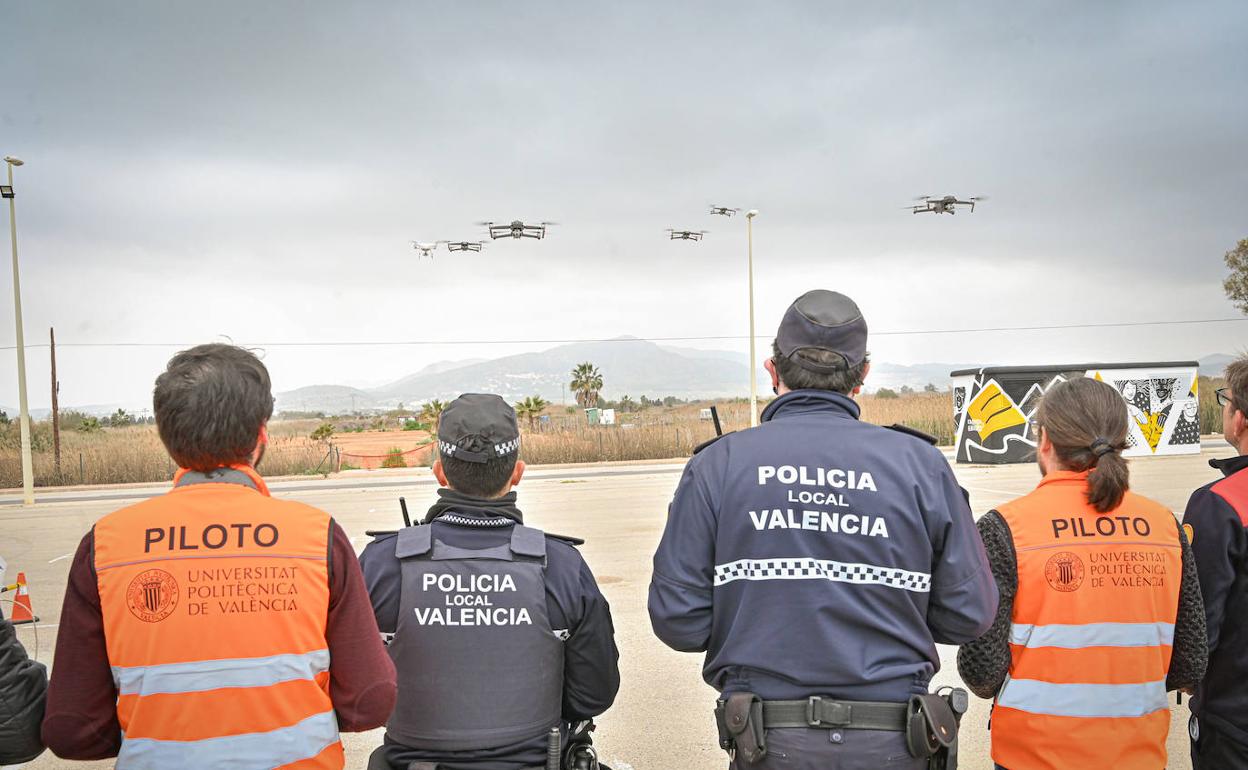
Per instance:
(484,224)
(547,224)
(979,197)
(923,197)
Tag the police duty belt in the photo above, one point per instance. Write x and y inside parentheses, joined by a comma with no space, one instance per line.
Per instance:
(827,713)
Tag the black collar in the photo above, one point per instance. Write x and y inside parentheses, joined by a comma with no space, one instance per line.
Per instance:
(217,476)
(450,501)
(797,402)
(1230,465)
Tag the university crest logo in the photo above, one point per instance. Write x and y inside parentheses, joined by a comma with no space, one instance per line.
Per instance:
(152,595)
(1064,571)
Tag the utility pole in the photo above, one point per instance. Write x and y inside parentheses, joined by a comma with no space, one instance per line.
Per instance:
(749,234)
(28,466)
(56,411)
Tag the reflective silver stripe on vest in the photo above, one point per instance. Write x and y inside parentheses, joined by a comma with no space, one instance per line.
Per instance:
(274,748)
(200,675)
(1084,700)
(802,568)
(1079,636)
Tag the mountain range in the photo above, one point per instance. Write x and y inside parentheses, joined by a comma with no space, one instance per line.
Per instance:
(629,366)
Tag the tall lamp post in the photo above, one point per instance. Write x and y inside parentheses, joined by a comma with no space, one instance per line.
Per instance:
(749,235)
(28,476)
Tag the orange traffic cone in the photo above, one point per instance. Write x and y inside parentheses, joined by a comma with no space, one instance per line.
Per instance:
(22,611)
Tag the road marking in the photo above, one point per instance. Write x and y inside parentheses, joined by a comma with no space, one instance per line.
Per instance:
(1015,493)
(340,486)
(62,556)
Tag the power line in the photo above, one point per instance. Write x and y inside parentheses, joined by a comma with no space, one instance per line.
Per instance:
(703,338)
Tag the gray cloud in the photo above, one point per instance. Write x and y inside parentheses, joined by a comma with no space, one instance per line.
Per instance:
(222,166)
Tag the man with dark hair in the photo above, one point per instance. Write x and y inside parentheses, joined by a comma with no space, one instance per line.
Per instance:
(1216,521)
(817,560)
(215,626)
(499,630)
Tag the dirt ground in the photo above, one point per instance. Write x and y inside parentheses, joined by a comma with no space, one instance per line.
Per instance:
(662,717)
(370,449)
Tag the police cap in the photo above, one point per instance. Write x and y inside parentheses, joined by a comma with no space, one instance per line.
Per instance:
(478,427)
(823,320)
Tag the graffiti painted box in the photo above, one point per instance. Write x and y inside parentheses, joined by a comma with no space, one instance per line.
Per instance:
(993,407)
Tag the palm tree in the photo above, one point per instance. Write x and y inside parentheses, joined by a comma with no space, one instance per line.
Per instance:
(431,413)
(586,383)
(530,408)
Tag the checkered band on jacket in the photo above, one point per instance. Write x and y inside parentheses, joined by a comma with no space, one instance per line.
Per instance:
(806,568)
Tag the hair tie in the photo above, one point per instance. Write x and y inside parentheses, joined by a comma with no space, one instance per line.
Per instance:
(1101,447)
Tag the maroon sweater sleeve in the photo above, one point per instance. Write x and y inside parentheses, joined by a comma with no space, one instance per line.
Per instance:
(361,675)
(81,717)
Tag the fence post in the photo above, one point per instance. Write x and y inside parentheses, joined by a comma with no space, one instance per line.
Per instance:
(82,470)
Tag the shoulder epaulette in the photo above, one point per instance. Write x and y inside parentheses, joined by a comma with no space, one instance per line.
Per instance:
(912,432)
(710,441)
(567,539)
(376,533)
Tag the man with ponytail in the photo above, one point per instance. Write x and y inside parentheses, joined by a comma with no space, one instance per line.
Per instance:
(1100,611)
(1215,519)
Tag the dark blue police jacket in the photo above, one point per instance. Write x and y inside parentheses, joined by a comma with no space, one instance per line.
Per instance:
(820,555)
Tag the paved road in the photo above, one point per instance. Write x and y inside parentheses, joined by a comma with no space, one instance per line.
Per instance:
(662,718)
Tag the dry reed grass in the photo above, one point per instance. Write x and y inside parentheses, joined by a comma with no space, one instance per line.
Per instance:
(135,454)
(655,433)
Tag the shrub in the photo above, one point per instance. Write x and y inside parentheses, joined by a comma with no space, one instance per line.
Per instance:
(323,432)
(394,459)
(885,393)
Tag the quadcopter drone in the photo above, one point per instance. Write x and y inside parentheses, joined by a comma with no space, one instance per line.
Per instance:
(464,245)
(723,211)
(426,249)
(945,205)
(517,230)
(686,235)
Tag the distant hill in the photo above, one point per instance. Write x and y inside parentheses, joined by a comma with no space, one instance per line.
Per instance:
(629,366)
(334,399)
(1214,365)
(917,376)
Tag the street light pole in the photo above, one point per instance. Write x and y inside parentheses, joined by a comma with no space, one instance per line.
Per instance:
(749,234)
(28,476)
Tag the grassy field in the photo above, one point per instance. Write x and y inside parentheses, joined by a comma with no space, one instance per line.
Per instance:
(135,454)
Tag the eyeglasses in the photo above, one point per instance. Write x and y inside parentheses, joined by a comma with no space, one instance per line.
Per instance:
(1224,396)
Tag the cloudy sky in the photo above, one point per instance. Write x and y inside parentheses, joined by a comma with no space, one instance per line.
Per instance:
(254,172)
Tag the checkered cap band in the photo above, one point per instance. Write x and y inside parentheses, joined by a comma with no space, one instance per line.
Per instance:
(803,568)
(507,447)
(448,449)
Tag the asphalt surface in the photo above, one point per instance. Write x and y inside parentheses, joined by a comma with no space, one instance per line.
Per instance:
(662,718)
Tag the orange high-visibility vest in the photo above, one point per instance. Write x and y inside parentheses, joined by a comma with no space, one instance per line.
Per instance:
(215,599)
(1092,631)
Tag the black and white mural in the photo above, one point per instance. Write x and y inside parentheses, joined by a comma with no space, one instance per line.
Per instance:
(994,408)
